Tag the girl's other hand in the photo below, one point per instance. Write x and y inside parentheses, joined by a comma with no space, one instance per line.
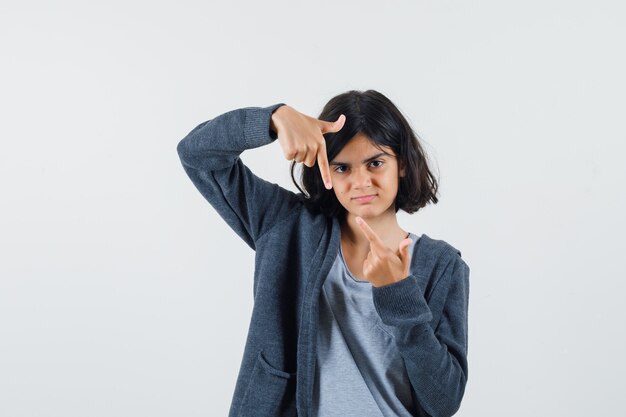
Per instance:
(384,266)
(300,137)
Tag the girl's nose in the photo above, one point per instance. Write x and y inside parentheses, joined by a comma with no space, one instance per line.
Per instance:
(361,179)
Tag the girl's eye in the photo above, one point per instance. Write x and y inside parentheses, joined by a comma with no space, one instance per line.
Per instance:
(338,169)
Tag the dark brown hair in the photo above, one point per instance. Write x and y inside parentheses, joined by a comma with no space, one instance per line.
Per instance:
(374,115)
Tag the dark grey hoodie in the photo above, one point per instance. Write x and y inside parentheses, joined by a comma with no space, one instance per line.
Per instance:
(295,249)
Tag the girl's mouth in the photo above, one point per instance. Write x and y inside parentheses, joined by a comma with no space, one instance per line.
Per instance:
(365,199)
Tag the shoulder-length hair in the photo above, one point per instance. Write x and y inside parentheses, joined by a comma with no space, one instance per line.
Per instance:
(374,115)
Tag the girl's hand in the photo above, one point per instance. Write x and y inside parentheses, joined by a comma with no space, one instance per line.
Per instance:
(383,266)
(300,137)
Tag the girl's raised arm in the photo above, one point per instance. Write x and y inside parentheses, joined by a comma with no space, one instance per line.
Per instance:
(210,153)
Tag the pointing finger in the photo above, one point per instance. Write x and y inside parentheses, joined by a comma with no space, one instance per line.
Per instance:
(322,161)
(369,233)
(322,158)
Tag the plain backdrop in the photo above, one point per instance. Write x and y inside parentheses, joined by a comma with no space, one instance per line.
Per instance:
(123,293)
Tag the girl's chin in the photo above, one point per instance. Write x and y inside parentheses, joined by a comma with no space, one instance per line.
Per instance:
(365,212)
(368,211)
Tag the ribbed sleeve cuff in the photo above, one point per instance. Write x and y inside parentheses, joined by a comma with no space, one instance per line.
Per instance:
(257,125)
(400,302)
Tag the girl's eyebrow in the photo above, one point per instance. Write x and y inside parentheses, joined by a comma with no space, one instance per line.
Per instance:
(335,162)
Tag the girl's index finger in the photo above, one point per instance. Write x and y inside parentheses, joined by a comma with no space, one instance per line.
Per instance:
(322,161)
(369,233)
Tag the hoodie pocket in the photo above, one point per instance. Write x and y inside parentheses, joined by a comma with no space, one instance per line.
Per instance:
(270,393)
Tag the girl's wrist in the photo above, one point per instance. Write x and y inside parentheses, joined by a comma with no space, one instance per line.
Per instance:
(274,118)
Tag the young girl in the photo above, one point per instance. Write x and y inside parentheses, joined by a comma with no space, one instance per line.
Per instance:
(353,315)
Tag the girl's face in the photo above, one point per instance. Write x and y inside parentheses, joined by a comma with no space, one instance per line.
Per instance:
(361,169)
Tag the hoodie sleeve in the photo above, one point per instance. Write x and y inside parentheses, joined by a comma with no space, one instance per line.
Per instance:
(434,351)
(210,153)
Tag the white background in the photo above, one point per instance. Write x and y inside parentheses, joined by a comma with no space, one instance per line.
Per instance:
(123,293)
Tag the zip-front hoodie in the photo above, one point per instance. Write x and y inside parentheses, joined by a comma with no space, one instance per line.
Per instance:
(295,249)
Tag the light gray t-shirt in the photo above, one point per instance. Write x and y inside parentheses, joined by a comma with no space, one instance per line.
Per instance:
(359,371)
